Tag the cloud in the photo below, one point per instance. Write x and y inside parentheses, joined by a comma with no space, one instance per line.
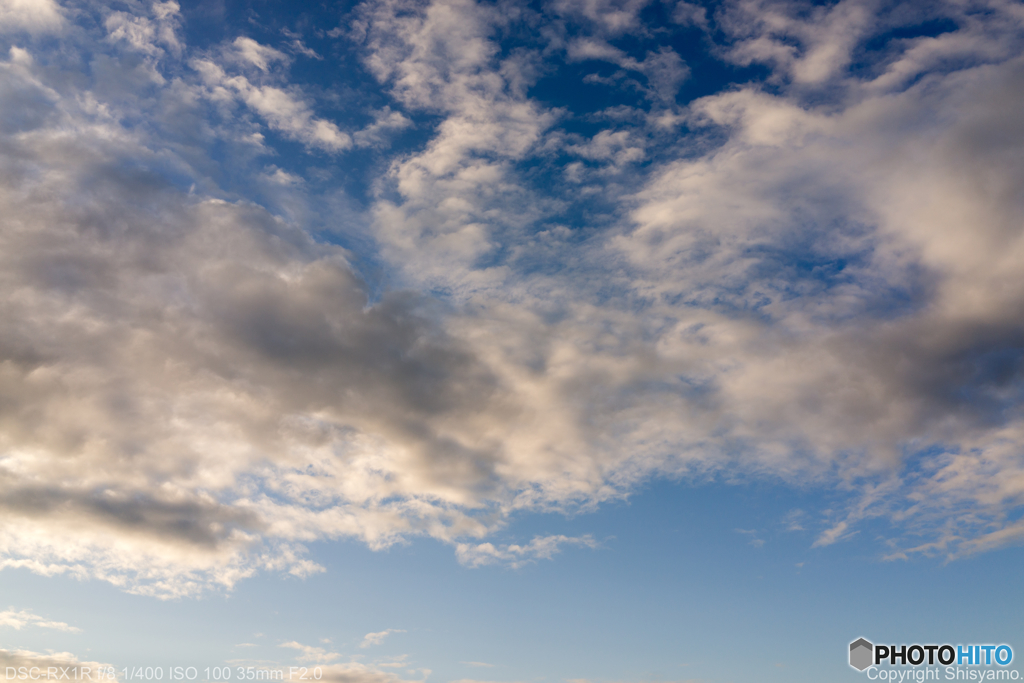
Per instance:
(515,556)
(614,147)
(378,638)
(610,17)
(354,672)
(456,198)
(385,124)
(108,468)
(19,619)
(284,110)
(149,36)
(713,248)
(794,520)
(260,56)
(60,662)
(311,653)
(664,70)
(754,541)
(807,47)
(899,236)
(193,386)
(399,662)
(690,14)
(36,16)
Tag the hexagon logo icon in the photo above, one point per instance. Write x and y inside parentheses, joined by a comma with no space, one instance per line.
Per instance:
(861,652)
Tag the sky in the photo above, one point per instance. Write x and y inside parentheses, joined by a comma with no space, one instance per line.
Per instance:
(579,341)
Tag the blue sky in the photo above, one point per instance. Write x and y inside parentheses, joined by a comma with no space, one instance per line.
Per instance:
(509,341)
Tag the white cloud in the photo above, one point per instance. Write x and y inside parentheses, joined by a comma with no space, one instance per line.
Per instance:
(36,16)
(61,661)
(279,176)
(664,69)
(304,50)
(146,35)
(581,49)
(21,618)
(378,637)
(615,147)
(752,533)
(385,124)
(795,390)
(794,520)
(399,662)
(311,653)
(283,109)
(840,364)
(260,56)
(690,14)
(457,196)
(610,17)
(541,547)
(354,672)
(824,38)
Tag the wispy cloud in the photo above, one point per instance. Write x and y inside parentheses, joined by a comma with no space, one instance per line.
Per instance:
(514,555)
(378,637)
(794,520)
(752,533)
(311,653)
(283,109)
(18,619)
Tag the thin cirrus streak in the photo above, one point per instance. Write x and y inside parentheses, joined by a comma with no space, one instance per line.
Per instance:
(813,277)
